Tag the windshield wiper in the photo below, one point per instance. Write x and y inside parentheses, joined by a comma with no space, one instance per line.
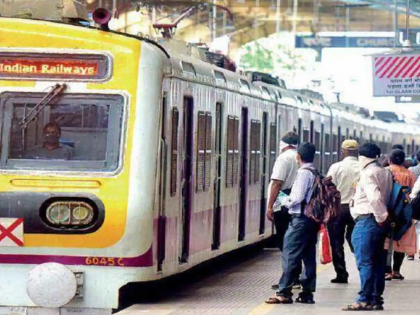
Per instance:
(56,90)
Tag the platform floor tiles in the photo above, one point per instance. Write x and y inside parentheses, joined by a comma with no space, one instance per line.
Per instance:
(241,290)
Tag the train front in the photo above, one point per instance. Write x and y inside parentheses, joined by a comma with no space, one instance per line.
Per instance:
(75,177)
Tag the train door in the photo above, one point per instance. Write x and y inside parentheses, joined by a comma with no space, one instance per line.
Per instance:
(264,173)
(162,188)
(187,189)
(217,180)
(243,174)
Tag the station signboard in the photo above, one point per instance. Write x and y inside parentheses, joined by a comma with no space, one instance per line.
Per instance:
(396,75)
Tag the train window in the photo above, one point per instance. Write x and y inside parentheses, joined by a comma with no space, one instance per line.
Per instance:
(75,132)
(347,133)
(412,147)
(327,151)
(254,163)
(318,148)
(299,132)
(311,131)
(362,139)
(306,135)
(417,149)
(408,150)
(335,148)
(174,151)
(188,67)
(203,151)
(273,145)
(232,159)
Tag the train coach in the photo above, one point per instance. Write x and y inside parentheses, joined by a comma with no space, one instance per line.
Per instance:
(162,161)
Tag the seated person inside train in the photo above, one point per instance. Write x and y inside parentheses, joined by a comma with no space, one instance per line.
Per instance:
(51,147)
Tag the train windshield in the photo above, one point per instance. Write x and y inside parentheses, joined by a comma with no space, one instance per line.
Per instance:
(70,133)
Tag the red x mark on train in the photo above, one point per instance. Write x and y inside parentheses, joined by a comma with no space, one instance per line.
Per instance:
(7,232)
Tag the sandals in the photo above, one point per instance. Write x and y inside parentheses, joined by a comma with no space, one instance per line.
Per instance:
(388,277)
(398,277)
(279,300)
(305,300)
(358,307)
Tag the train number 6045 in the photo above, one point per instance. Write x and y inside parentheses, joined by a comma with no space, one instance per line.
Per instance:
(104,261)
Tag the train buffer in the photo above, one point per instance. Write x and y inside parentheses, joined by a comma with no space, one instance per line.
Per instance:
(242,290)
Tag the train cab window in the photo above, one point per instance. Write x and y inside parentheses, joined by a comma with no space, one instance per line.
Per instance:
(220,76)
(273,146)
(245,86)
(232,159)
(74,132)
(203,151)
(255,146)
(174,151)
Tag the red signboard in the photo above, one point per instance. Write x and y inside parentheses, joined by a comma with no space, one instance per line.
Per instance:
(54,66)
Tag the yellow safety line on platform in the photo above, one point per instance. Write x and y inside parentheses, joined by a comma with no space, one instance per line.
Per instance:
(264,309)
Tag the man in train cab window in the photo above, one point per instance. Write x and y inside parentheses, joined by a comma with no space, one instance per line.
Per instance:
(51,148)
(301,236)
(369,210)
(345,175)
(284,173)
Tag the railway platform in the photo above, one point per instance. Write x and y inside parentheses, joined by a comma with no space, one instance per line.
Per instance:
(242,289)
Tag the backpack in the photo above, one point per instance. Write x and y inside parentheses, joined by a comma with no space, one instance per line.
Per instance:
(400,212)
(325,201)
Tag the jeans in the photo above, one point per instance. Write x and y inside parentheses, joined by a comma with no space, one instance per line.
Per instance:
(299,245)
(339,229)
(281,222)
(368,240)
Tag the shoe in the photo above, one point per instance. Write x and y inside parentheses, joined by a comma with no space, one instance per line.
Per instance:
(411,257)
(340,280)
(275,287)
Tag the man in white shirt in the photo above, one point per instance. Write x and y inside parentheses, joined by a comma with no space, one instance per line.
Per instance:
(370,213)
(284,173)
(345,175)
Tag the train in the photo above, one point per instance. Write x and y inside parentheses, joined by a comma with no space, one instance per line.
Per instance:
(163,160)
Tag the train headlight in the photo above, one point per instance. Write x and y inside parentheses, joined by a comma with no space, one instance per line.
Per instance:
(70,213)
(59,213)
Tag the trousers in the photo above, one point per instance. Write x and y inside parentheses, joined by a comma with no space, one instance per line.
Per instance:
(398,259)
(299,246)
(339,230)
(368,240)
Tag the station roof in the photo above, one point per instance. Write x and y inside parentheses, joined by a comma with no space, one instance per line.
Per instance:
(247,20)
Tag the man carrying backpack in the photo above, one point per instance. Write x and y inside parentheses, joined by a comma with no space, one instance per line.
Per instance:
(369,209)
(345,175)
(301,236)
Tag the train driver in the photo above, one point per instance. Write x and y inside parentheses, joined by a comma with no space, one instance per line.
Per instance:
(51,148)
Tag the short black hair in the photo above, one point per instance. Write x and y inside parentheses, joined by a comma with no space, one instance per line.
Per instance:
(54,125)
(370,150)
(397,147)
(307,152)
(418,156)
(397,157)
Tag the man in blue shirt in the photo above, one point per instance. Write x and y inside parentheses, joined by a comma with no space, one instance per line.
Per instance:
(301,236)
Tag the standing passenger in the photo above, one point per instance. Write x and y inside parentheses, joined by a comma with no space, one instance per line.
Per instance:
(345,175)
(301,236)
(370,213)
(407,245)
(284,173)
(416,169)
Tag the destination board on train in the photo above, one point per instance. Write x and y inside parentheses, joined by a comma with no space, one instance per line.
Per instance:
(54,66)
